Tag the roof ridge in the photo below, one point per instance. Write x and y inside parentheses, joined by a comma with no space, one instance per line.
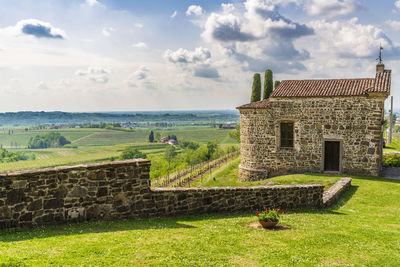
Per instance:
(333,79)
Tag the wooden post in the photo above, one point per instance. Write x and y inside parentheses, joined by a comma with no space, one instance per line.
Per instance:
(391,121)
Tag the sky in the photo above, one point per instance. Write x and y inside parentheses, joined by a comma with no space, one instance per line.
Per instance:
(128,55)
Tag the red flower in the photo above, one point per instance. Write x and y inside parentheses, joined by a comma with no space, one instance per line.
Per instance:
(283,211)
(276,209)
(257,213)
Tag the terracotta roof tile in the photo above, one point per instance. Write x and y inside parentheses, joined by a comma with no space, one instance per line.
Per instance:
(382,81)
(328,88)
(259,104)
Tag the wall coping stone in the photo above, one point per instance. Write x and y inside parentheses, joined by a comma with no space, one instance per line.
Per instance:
(331,195)
(235,188)
(101,165)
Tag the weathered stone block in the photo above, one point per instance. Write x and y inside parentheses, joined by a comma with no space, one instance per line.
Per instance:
(15,196)
(53,203)
(35,205)
(78,191)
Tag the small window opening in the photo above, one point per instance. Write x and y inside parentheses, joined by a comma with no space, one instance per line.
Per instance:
(287,134)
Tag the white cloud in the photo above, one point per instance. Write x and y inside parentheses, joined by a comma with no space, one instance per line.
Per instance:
(348,38)
(173,15)
(394,24)
(194,10)
(199,55)
(397,4)
(42,86)
(257,36)
(35,28)
(140,78)
(107,31)
(93,3)
(332,8)
(97,75)
(138,25)
(141,72)
(140,45)
(197,62)
(228,8)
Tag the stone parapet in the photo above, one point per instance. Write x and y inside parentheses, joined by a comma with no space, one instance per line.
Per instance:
(121,189)
(331,195)
(37,197)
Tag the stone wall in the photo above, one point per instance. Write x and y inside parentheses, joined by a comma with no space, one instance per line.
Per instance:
(331,195)
(181,201)
(356,122)
(62,194)
(122,190)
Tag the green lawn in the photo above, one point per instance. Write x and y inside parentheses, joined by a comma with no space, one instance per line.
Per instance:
(227,175)
(362,229)
(395,145)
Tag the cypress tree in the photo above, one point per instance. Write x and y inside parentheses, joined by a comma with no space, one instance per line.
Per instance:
(277,84)
(256,92)
(151,137)
(268,84)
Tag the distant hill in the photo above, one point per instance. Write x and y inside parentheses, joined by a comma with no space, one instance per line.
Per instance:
(25,118)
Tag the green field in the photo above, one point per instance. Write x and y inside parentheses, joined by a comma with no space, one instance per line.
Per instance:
(96,145)
(227,175)
(362,229)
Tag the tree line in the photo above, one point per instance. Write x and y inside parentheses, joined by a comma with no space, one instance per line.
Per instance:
(8,156)
(47,140)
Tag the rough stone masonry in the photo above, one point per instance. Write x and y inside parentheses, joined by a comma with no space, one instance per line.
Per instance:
(121,189)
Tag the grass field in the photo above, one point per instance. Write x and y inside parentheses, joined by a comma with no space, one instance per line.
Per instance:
(394,146)
(96,145)
(227,175)
(105,137)
(362,229)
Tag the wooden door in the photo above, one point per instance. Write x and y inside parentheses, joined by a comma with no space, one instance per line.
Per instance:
(332,156)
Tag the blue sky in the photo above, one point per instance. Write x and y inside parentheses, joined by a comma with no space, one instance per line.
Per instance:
(104,55)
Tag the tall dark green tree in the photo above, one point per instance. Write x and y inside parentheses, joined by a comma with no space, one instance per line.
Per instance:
(277,83)
(256,92)
(268,84)
(151,137)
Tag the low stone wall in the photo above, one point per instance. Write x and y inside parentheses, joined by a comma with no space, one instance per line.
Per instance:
(331,195)
(179,201)
(121,189)
(53,195)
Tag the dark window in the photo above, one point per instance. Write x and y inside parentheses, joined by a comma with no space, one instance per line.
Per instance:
(286,134)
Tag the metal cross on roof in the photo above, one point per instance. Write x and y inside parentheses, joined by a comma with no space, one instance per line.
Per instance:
(380,55)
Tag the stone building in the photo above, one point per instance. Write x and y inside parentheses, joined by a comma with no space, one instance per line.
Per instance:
(315,126)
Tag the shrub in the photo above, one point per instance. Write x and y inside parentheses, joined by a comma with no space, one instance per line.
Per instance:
(7,156)
(132,153)
(391,160)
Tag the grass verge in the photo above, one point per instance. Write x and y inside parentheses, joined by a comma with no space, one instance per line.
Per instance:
(362,229)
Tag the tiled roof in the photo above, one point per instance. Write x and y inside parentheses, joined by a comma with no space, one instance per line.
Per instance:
(382,81)
(328,87)
(259,104)
(331,87)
